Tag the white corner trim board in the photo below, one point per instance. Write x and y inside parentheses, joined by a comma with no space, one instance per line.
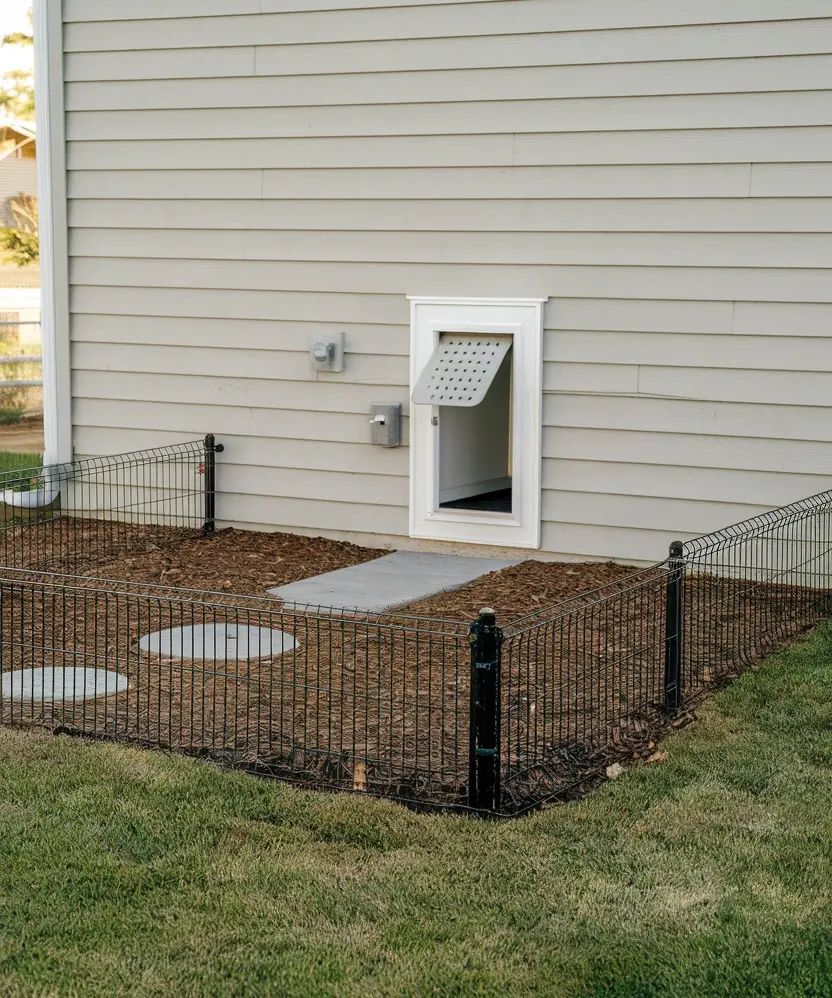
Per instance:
(49,102)
(522,321)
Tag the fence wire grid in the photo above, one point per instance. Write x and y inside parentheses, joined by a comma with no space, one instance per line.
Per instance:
(491,717)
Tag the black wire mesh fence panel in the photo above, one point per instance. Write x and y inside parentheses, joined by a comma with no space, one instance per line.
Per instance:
(495,715)
(596,674)
(72,518)
(578,677)
(751,588)
(332,699)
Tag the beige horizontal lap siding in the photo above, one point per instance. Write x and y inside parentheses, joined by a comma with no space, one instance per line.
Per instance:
(94,10)
(735,215)
(706,41)
(460,183)
(247,178)
(301,431)
(762,284)
(721,145)
(533,248)
(376,22)
(579,114)
(17,176)
(804,72)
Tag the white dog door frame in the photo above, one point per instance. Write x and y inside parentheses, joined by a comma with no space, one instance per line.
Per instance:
(522,320)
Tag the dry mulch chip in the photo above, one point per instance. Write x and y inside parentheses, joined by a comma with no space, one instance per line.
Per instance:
(513,592)
(247,562)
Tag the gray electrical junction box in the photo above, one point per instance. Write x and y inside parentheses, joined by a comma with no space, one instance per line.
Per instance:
(386,424)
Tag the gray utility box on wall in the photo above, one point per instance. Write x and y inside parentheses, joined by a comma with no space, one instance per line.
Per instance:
(386,424)
(328,355)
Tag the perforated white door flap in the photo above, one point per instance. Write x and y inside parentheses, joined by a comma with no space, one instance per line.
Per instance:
(461,369)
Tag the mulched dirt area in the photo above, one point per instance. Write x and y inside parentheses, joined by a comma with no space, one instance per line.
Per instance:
(245,562)
(382,702)
(248,562)
(521,589)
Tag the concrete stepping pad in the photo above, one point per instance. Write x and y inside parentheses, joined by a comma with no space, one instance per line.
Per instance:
(390,581)
(61,684)
(218,642)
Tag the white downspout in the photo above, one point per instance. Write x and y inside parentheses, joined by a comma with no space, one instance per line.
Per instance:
(54,269)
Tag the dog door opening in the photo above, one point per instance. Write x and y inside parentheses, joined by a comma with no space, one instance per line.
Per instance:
(475,449)
(476,420)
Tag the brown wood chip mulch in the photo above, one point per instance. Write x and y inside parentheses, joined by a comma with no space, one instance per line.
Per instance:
(249,563)
(245,562)
(379,702)
(521,589)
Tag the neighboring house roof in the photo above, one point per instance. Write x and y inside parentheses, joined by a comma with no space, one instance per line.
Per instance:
(20,132)
(18,175)
(24,129)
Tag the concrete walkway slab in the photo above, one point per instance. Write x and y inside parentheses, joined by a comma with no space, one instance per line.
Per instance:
(390,581)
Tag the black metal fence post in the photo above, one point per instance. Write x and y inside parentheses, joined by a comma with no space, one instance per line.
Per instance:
(484,734)
(210,482)
(674,624)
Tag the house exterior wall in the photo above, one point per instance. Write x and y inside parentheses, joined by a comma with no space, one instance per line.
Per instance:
(18,175)
(246,176)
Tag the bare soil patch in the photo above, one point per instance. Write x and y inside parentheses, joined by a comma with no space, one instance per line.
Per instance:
(25,437)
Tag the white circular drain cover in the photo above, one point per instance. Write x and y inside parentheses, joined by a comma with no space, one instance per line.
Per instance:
(218,642)
(71,683)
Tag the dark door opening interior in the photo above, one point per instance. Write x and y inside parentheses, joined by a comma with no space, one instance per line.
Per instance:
(475,450)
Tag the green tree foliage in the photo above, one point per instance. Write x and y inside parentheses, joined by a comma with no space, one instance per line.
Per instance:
(19,242)
(17,92)
(17,95)
(19,37)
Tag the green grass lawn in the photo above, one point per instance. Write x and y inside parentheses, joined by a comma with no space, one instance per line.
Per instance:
(18,462)
(12,464)
(129,873)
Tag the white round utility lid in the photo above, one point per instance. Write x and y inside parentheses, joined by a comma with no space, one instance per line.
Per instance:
(70,683)
(218,642)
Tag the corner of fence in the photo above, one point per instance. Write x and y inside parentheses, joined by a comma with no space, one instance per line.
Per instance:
(209,468)
(486,640)
(674,628)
